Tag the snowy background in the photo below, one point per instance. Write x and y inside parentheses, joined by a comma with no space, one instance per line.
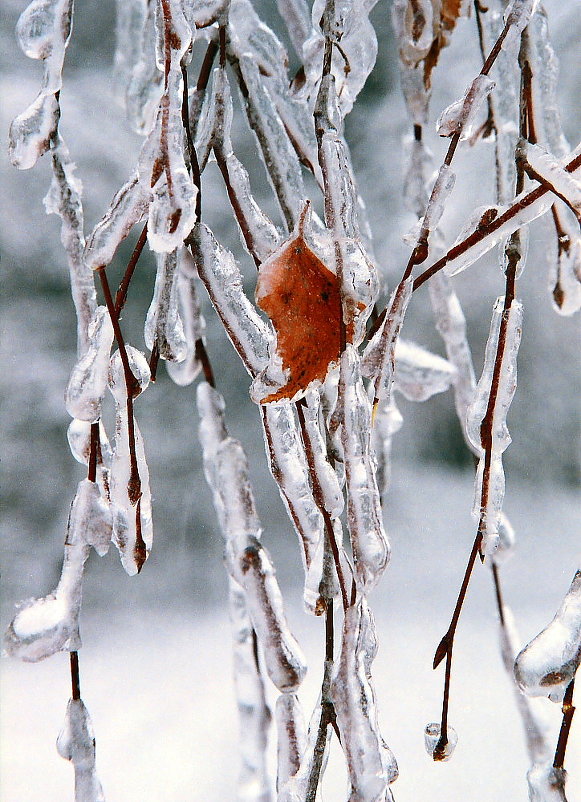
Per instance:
(155,666)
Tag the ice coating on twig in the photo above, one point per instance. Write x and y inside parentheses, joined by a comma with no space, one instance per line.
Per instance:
(64,199)
(516,18)
(548,664)
(565,273)
(253,712)
(460,117)
(533,721)
(164,329)
(419,158)
(91,514)
(371,549)
(226,470)
(420,374)
(126,209)
(542,165)
(546,783)
(489,495)
(432,735)
(346,24)
(50,624)
(388,421)
(76,742)
(221,275)
(130,20)
(88,381)
(289,469)
(162,167)
(43,30)
(378,361)
(194,325)
(451,325)
(371,764)
(291,737)
(132,521)
(145,85)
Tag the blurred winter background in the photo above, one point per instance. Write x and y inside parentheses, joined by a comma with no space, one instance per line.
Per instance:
(155,665)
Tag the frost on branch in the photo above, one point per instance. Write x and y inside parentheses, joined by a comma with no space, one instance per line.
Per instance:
(43,32)
(76,743)
(371,764)
(548,664)
(489,495)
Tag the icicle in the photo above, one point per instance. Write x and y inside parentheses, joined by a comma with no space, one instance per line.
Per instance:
(451,325)
(378,361)
(43,30)
(546,783)
(76,743)
(163,325)
(64,199)
(126,209)
(253,713)
(145,87)
(371,549)
(388,421)
(295,14)
(184,373)
(459,117)
(566,185)
(548,664)
(371,764)
(221,275)
(48,625)
(226,471)
(131,16)
(432,735)
(420,374)
(87,384)
(132,522)
(291,737)
(565,274)
(494,496)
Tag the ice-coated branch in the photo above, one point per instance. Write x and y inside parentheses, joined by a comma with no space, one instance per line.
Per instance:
(76,743)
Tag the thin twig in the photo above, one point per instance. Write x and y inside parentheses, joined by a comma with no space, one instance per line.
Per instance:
(121,295)
(568,713)
(75,677)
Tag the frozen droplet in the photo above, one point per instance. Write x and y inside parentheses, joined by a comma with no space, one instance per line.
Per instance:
(548,664)
(86,388)
(437,748)
(31,132)
(459,117)
(76,742)
(138,366)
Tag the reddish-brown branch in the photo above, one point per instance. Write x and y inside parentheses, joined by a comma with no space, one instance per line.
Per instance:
(93,453)
(568,713)
(121,295)
(75,677)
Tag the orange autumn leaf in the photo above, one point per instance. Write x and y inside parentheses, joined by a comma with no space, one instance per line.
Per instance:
(302,298)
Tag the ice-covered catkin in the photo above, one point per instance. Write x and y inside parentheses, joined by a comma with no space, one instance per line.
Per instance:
(64,199)
(194,325)
(543,165)
(548,664)
(489,484)
(291,740)
(371,550)
(43,32)
(253,712)
(226,470)
(164,329)
(460,116)
(378,361)
(222,278)
(532,718)
(50,624)
(76,742)
(371,764)
(126,209)
(88,381)
(132,519)
(162,167)
(451,325)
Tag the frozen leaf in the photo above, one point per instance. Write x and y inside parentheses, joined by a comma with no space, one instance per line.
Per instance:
(76,743)
(371,549)
(371,764)
(164,329)
(437,749)
(223,280)
(460,116)
(548,664)
(88,382)
(126,209)
(303,300)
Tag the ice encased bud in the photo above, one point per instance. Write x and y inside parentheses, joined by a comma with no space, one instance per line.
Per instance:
(437,750)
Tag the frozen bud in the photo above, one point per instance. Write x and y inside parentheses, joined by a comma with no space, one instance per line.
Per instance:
(139,368)
(437,748)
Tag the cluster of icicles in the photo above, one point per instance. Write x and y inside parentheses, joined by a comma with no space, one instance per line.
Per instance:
(331,441)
